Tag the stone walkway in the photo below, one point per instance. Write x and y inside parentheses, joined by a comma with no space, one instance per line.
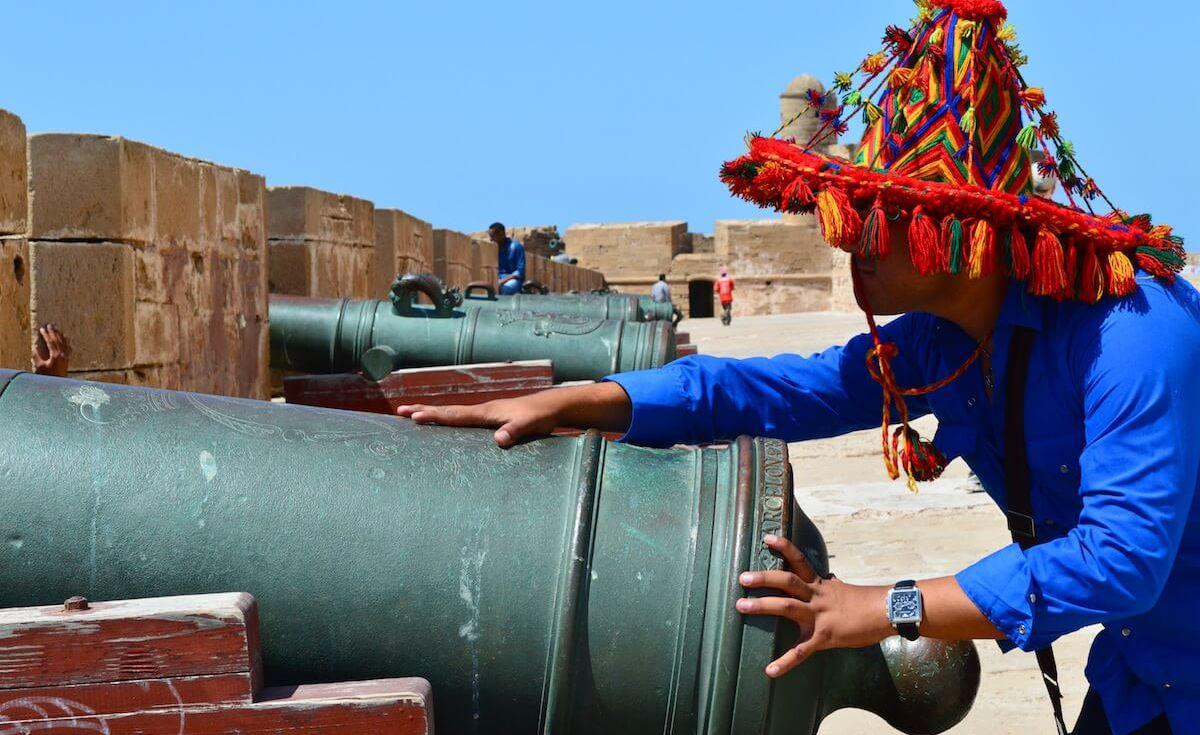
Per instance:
(869,522)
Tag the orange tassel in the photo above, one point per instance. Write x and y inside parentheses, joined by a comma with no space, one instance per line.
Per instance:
(902,77)
(923,243)
(983,250)
(1121,281)
(1018,254)
(1091,278)
(840,224)
(1048,276)
(876,235)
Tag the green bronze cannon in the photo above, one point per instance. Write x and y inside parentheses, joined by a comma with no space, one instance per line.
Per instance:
(567,585)
(334,336)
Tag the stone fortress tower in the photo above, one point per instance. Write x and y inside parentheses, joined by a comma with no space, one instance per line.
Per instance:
(780,265)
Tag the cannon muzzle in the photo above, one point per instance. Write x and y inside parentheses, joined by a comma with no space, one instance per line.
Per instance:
(563,585)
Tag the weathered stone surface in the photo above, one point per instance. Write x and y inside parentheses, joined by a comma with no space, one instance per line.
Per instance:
(252,214)
(15,331)
(771,247)
(302,212)
(453,253)
(403,244)
(156,333)
(841,295)
(87,289)
(485,261)
(90,187)
(700,243)
(177,203)
(291,268)
(781,294)
(630,249)
(13,175)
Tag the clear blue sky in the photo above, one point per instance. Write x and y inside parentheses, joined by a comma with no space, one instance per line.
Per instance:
(555,113)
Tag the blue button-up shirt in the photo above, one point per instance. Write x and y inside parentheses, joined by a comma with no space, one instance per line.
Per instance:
(511,257)
(1113,437)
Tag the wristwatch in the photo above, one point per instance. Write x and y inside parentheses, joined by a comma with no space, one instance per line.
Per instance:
(905,609)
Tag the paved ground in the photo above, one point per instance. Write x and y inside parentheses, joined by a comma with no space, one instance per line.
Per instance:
(869,522)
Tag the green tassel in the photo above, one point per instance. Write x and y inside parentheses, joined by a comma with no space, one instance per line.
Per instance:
(842,81)
(1066,150)
(854,99)
(955,265)
(1173,259)
(1027,138)
(899,123)
(967,121)
(872,113)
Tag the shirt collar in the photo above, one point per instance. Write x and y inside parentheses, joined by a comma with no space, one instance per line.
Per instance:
(1021,308)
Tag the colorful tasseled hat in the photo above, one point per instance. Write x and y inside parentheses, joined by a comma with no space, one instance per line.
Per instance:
(951,125)
(947,146)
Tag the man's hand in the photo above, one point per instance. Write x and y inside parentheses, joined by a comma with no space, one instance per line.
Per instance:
(513,418)
(601,406)
(51,352)
(829,612)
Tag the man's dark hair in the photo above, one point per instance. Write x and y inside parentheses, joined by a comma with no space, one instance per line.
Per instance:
(496,226)
(662,276)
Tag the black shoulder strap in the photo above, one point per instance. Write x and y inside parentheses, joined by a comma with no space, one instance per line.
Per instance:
(1017,485)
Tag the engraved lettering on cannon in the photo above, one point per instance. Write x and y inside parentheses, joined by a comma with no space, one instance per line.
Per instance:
(772,514)
(546,324)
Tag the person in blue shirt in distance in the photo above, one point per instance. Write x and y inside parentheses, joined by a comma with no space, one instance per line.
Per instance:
(511,259)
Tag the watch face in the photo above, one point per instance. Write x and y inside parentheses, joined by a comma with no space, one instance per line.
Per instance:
(904,606)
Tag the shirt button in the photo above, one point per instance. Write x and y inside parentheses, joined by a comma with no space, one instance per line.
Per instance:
(1032,597)
(1021,628)
(971,401)
(1126,632)
(1167,685)
(1064,469)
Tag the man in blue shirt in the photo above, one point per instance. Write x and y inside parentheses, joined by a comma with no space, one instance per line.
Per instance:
(511,257)
(937,210)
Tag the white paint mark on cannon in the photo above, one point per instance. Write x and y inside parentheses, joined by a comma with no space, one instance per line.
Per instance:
(208,465)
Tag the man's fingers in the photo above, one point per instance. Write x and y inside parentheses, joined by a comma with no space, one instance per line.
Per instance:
(794,557)
(783,581)
(782,607)
(408,410)
(794,656)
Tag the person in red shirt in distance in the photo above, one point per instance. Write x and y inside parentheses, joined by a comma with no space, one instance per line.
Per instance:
(723,287)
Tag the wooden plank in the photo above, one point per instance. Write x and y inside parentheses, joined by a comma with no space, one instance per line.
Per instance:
(438,386)
(156,638)
(684,350)
(394,706)
(140,694)
(683,338)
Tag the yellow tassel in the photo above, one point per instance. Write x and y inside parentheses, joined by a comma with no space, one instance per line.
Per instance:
(937,37)
(983,250)
(840,223)
(1121,281)
(1007,33)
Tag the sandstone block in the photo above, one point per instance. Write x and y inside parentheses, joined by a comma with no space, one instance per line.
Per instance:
(452,257)
(766,247)
(156,334)
(403,244)
(150,276)
(291,268)
(629,249)
(252,213)
(177,199)
(90,187)
(88,290)
(303,212)
(13,175)
(15,329)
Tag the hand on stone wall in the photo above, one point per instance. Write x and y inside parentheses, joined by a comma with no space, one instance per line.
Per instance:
(51,352)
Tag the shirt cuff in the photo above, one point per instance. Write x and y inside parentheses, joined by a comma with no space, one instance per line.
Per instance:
(1002,587)
(660,407)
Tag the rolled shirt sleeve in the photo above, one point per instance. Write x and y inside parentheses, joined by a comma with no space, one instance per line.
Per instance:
(1138,473)
(701,398)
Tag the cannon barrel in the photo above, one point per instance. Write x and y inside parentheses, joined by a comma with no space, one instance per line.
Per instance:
(565,585)
(656,310)
(332,336)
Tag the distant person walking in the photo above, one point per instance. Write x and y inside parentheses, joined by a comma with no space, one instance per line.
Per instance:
(660,292)
(723,288)
(510,260)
